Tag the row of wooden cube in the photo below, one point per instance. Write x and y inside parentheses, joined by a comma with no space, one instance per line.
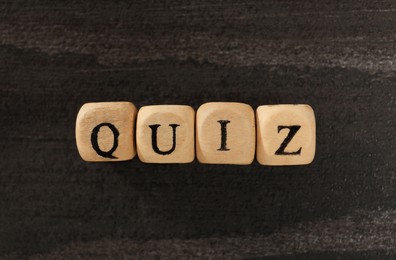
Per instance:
(218,133)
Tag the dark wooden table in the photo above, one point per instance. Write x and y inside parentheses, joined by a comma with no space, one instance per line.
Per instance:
(338,56)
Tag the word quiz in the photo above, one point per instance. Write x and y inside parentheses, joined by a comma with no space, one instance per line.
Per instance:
(217,133)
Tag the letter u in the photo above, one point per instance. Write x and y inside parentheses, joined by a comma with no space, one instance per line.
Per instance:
(154,142)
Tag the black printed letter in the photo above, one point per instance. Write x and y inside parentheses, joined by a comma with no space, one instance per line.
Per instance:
(293,130)
(154,139)
(94,140)
(223,146)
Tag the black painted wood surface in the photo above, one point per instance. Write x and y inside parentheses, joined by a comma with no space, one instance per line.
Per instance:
(338,56)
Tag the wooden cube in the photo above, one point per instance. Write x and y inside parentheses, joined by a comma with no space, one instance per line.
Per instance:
(105,131)
(165,134)
(225,133)
(286,135)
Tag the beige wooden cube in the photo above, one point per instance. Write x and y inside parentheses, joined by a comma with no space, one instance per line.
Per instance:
(286,135)
(165,134)
(225,133)
(105,131)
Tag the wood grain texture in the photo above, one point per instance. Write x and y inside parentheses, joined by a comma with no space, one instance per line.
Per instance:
(337,56)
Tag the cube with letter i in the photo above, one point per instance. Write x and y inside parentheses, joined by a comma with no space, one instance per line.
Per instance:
(225,133)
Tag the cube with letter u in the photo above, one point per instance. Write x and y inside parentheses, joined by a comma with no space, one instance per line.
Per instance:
(165,134)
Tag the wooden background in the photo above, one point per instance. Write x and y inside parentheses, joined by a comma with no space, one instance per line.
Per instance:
(338,56)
